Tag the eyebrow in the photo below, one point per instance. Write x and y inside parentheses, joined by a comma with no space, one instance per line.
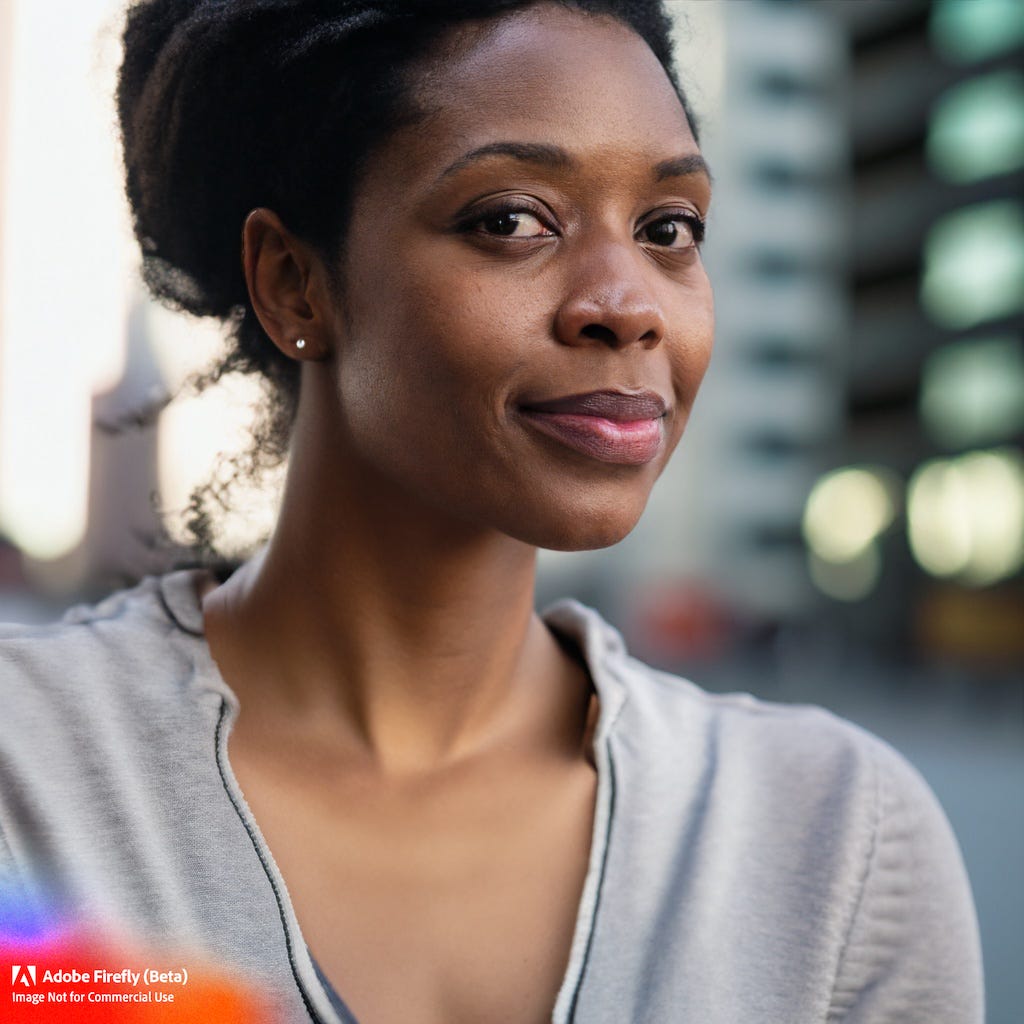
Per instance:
(557,158)
(528,152)
(682,167)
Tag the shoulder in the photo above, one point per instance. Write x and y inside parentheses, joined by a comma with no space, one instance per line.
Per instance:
(121,649)
(808,815)
(780,736)
(109,725)
(798,763)
(674,717)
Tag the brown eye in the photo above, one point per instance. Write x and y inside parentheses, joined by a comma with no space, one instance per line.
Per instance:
(673,232)
(513,224)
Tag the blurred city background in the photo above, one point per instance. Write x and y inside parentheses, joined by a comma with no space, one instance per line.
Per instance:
(844,521)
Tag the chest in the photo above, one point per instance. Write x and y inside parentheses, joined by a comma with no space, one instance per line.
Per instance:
(449,901)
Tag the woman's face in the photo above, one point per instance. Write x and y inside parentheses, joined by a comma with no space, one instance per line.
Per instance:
(525,316)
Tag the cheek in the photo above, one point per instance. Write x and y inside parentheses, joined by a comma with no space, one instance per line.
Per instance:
(691,349)
(424,376)
(458,337)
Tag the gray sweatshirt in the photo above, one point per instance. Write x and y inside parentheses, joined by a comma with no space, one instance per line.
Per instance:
(751,863)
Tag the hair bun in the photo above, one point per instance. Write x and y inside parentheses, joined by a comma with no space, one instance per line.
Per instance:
(169,129)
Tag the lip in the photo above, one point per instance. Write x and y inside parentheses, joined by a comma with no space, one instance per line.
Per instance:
(617,427)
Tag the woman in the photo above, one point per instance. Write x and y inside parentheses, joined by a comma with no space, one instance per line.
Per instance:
(470,267)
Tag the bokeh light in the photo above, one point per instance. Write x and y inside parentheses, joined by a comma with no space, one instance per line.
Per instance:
(974,265)
(977,128)
(847,511)
(971,30)
(972,392)
(966,516)
(852,580)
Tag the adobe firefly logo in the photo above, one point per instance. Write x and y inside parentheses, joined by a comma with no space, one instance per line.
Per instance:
(25,975)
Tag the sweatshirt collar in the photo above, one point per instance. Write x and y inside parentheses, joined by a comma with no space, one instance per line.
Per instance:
(600,644)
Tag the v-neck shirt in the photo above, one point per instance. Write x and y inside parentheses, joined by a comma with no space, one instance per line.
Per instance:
(749,861)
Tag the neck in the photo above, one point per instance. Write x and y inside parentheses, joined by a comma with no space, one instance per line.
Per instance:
(411,633)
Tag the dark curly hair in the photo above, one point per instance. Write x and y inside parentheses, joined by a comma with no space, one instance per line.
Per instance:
(228,105)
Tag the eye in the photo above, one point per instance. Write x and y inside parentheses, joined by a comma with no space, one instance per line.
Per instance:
(512,224)
(673,231)
(514,218)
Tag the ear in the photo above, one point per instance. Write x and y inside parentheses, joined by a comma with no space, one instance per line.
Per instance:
(287,286)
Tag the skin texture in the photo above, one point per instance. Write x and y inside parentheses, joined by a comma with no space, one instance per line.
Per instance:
(413,742)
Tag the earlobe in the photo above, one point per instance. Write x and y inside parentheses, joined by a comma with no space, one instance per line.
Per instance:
(279,273)
(307,350)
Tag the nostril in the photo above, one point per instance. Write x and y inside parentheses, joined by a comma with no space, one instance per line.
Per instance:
(598,332)
(607,336)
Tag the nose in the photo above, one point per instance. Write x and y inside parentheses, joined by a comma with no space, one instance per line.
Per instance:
(611,301)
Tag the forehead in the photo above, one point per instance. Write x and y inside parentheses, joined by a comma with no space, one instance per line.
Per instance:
(586,83)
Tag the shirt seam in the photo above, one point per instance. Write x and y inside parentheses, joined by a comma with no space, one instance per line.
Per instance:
(4,846)
(7,855)
(872,856)
(289,945)
(623,696)
(172,615)
(602,871)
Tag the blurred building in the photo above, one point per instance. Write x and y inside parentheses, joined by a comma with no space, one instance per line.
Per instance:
(935,374)
(81,349)
(771,413)
(122,537)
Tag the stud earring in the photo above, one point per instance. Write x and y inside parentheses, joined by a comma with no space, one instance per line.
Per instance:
(301,343)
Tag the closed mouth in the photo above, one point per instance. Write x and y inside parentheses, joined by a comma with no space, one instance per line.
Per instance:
(620,428)
(618,406)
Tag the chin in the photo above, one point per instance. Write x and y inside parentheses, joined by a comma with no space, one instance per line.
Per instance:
(582,541)
(580,527)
